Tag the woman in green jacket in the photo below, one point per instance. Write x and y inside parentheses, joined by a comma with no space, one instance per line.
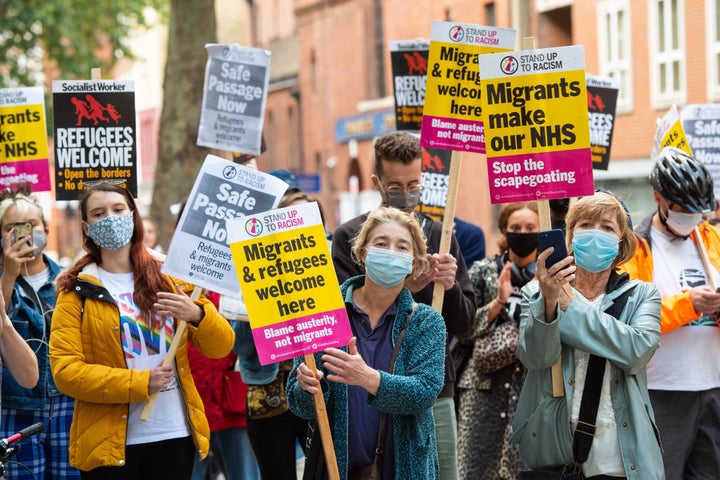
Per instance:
(355,380)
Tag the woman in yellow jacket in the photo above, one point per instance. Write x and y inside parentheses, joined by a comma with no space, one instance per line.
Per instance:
(112,327)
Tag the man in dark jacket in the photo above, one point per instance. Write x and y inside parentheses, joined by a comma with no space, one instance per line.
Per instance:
(397,172)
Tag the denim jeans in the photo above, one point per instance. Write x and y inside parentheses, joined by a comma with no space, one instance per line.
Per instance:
(232,446)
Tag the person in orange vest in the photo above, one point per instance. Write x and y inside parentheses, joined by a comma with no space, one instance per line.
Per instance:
(684,374)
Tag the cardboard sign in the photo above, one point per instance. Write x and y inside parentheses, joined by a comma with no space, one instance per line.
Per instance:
(452,112)
(602,95)
(23,139)
(670,133)
(435,180)
(701,124)
(199,252)
(234,97)
(409,59)
(288,282)
(536,124)
(95,135)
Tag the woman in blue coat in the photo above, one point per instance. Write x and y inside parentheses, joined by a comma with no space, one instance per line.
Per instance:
(564,318)
(355,380)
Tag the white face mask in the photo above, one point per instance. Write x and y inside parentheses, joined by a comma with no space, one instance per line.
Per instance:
(683,223)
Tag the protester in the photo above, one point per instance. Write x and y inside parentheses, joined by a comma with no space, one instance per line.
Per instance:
(684,375)
(568,314)
(288,177)
(299,197)
(471,239)
(273,429)
(558,211)
(489,383)
(151,235)
(398,162)
(223,394)
(355,379)
(27,283)
(112,327)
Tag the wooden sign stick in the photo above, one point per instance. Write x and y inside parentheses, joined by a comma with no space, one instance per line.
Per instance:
(323,425)
(705,259)
(557,374)
(528,43)
(448,220)
(170,356)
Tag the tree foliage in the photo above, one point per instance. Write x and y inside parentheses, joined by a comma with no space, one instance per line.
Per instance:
(70,35)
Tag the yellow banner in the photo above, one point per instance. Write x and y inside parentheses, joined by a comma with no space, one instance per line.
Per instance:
(675,137)
(24,136)
(286,275)
(539,113)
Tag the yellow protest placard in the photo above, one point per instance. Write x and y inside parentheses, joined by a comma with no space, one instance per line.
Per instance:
(23,138)
(288,282)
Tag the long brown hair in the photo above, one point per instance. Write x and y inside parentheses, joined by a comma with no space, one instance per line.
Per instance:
(146,268)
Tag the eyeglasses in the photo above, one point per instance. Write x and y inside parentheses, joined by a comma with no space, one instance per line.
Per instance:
(395,191)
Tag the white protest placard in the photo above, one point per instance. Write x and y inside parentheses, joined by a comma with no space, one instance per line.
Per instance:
(234,97)
(223,190)
(701,123)
(288,282)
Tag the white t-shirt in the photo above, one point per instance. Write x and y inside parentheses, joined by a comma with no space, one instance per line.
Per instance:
(687,358)
(39,279)
(604,457)
(145,348)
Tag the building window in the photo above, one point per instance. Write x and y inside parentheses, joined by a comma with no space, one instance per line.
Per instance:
(544,6)
(712,24)
(667,52)
(615,52)
(490,13)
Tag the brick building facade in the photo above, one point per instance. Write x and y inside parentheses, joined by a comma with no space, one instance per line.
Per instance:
(665,52)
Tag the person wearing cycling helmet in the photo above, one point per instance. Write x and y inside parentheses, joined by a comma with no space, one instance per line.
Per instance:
(684,375)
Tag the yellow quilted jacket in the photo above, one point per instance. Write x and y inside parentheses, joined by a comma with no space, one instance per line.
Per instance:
(88,363)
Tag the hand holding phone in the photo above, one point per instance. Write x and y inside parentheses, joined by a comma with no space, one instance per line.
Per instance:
(553,238)
(22,231)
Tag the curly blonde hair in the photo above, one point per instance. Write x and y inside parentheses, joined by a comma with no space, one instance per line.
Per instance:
(407,220)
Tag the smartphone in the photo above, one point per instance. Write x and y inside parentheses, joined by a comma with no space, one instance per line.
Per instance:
(23,230)
(553,238)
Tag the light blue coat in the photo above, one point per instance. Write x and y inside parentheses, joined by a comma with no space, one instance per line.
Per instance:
(542,427)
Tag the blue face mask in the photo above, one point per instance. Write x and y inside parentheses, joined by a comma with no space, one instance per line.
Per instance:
(594,250)
(387,268)
(112,232)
